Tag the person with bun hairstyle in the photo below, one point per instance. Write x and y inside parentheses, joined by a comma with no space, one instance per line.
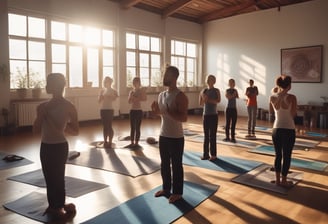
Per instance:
(284,107)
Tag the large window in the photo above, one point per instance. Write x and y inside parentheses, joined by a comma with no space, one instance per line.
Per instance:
(184,56)
(143,59)
(27,52)
(83,54)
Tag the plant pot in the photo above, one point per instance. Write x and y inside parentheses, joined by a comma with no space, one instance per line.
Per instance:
(36,92)
(21,93)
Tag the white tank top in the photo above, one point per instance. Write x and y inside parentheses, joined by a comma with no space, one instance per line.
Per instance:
(283,117)
(107,102)
(170,127)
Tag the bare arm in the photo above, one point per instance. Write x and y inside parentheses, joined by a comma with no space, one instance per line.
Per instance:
(181,113)
(72,127)
(40,114)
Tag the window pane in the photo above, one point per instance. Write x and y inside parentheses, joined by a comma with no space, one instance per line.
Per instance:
(75,33)
(36,50)
(58,53)
(17,25)
(130,74)
(60,68)
(131,41)
(155,44)
(144,43)
(144,60)
(58,30)
(108,71)
(156,78)
(18,76)
(130,58)
(144,76)
(93,66)
(191,65)
(108,38)
(37,71)
(190,79)
(17,49)
(108,58)
(191,50)
(36,27)
(75,67)
(155,61)
(92,36)
(180,48)
(172,46)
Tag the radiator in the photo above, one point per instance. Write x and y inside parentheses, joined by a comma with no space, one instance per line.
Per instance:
(25,113)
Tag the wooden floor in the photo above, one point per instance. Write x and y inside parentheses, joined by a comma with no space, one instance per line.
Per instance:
(307,202)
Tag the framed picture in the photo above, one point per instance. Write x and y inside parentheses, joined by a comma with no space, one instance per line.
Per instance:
(303,64)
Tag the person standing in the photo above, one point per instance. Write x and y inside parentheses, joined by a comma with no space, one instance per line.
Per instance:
(106,97)
(231,111)
(284,107)
(172,105)
(136,95)
(54,119)
(209,98)
(251,93)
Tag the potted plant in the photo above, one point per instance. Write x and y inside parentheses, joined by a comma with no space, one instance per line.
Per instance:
(21,83)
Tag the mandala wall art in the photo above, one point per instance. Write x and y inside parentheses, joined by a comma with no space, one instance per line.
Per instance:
(303,64)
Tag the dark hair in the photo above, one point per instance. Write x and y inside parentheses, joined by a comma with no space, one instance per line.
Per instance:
(174,70)
(283,81)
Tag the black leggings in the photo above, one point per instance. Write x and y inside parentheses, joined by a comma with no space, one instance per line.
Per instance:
(135,122)
(171,151)
(231,118)
(210,126)
(53,159)
(107,120)
(283,141)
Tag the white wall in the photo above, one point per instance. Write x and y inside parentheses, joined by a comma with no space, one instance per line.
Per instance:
(248,46)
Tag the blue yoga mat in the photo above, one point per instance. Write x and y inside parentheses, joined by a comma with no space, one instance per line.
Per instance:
(223,163)
(239,143)
(315,134)
(299,163)
(148,209)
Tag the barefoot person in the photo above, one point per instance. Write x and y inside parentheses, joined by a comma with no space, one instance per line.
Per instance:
(172,105)
(251,93)
(283,134)
(209,98)
(106,97)
(55,118)
(136,96)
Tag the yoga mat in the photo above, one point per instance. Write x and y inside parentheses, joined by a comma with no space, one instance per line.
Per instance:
(187,132)
(148,209)
(261,177)
(300,143)
(118,161)
(239,143)
(223,163)
(74,187)
(299,163)
(6,165)
(315,134)
(31,206)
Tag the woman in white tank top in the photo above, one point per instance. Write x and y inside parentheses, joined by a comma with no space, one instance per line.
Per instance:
(283,134)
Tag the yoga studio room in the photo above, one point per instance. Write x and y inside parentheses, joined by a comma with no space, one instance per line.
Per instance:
(164,111)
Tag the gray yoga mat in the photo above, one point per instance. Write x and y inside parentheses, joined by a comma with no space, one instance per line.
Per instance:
(31,206)
(74,187)
(118,161)
(6,165)
(261,177)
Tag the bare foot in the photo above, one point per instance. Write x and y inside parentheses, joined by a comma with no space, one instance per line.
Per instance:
(213,158)
(174,197)
(161,193)
(287,184)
